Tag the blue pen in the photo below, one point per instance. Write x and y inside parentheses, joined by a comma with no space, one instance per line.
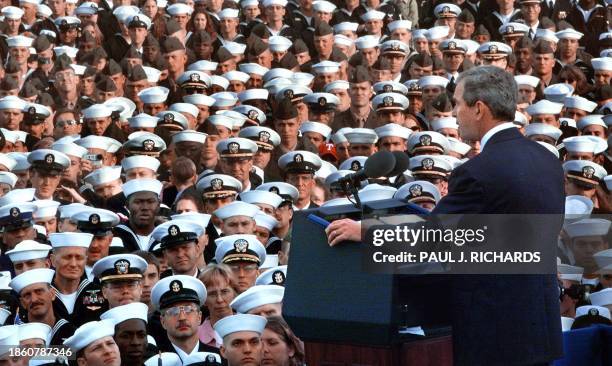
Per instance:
(317,220)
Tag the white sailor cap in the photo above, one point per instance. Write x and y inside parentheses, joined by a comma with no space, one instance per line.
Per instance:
(189,136)
(317,127)
(34,331)
(444,122)
(389,102)
(285,190)
(9,335)
(601,297)
(268,222)
(544,107)
(238,119)
(218,186)
(194,217)
(19,41)
(237,76)
(27,250)
(604,53)
(7,161)
(530,80)
(119,267)
(164,359)
(179,8)
(236,208)
(447,10)
(224,99)
(18,196)
(220,120)
(325,67)
(203,65)
(581,144)
(67,211)
(103,175)
(543,129)
(420,34)
(588,227)
(373,15)
(49,160)
(338,138)
(95,221)
(279,43)
(12,12)
(12,102)
(336,85)
(119,314)
(140,161)
(99,142)
(547,35)
(89,333)
(277,73)
(246,3)
(272,276)
(228,13)
(570,273)
(604,261)
(70,149)
(97,111)
(30,277)
(239,248)
(177,288)
(323,6)
(299,161)
(142,185)
(399,24)
(558,92)
(584,171)
(44,11)
(18,161)
(433,80)
(236,147)
(602,63)
(592,310)
(71,239)
(605,35)
(494,50)
(257,296)
(437,32)
(87,8)
(267,3)
(593,119)
(569,33)
(154,95)
(202,358)
(67,50)
(361,136)
(513,28)
(10,136)
(143,120)
(418,191)
(253,68)
(376,192)
(342,40)
(365,42)
(240,322)
(45,208)
(235,48)
(578,102)
(425,141)
(346,27)
(457,146)
(185,108)
(261,197)
(430,165)
(8,178)
(353,163)
(576,206)
(393,129)
(199,99)
(194,79)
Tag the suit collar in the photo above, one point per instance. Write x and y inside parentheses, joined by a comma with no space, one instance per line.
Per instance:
(502,135)
(498,128)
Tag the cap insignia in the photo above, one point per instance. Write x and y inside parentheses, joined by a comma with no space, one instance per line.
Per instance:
(427,163)
(416,190)
(176,286)
(588,172)
(173,230)
(122,266)
(49,158)
(15,212)
(233,147)
(241,245)
(94,219)
(425,140)
(278,277)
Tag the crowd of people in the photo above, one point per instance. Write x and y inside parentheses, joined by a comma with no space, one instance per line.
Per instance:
(153,154)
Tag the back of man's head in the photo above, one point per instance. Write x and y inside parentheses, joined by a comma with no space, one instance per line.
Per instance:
(182,170)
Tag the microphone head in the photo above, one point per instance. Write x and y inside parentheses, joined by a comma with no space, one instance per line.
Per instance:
(402,161)
(379,164)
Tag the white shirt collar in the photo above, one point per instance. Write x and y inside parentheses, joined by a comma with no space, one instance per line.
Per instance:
(493,131)
(182,354)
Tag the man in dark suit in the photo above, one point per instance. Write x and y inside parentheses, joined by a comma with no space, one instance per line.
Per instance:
(502,319)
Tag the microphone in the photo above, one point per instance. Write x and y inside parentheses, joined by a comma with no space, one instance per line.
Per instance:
(377,165)
(402,161)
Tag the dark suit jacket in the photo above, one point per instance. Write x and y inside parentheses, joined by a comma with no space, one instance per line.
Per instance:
(559,11)
(596,25)
(506,319)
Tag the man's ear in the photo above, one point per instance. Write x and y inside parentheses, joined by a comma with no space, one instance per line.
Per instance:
(221,350)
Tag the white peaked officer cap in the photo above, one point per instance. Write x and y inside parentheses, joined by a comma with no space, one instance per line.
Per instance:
(89,333)
(273,276)
(570,273)
(119,314)
(165,359)
(34,331)
(27,278)
(70,239)
(28,250)
(178,288)
(592,310)
(142,185)
(240,323)
(601,297)
(257,296)
(240,248)
(588,227)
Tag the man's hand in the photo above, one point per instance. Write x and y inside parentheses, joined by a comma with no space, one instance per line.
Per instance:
(343,230)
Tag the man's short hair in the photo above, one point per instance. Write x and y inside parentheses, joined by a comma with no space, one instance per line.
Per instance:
(150,258)
(494,87)
(182,170)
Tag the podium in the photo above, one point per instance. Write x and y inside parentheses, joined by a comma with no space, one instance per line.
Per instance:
(346,316)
